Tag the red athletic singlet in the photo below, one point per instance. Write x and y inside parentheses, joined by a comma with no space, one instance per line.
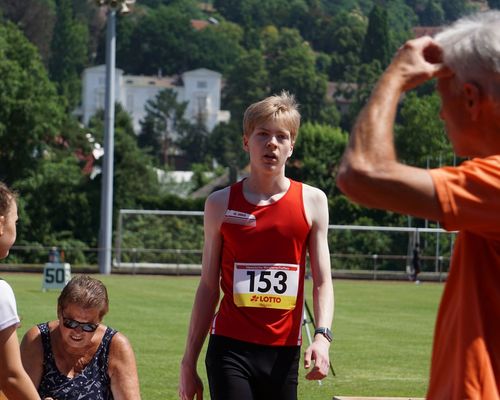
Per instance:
(263,264)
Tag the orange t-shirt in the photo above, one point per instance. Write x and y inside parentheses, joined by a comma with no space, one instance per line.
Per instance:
(466,352)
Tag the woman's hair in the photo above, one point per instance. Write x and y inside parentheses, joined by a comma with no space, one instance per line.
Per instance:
(86,292)
(471,49)
(6,196)
(282,107)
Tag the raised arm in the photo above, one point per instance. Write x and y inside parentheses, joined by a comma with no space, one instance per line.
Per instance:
(122,369)
(14,381)
(207,296)
(370,173)
(316,207)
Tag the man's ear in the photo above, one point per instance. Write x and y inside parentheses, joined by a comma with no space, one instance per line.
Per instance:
(472,96)
(245,143)
(2,223)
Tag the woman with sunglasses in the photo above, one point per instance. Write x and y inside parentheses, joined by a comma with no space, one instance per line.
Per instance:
(76,357)
(14,381)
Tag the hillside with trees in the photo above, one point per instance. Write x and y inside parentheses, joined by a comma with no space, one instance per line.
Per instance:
(261,47)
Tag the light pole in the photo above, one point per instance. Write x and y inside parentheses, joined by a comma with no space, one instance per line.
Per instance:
(106,223)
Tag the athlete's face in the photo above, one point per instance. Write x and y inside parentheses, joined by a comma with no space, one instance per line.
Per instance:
(269,145)
(8,230)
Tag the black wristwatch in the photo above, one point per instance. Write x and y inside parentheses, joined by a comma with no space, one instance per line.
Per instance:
(327,333)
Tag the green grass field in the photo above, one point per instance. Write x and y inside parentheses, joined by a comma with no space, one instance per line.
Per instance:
(383,331)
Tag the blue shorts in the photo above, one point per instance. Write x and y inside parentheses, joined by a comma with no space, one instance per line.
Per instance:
(246,371)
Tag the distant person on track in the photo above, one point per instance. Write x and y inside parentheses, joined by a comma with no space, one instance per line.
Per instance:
(465,59)
(14,381)
(257,233)
(76,357)
(416,263)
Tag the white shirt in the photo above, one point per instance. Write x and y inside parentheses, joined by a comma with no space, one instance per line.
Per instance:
(8,308)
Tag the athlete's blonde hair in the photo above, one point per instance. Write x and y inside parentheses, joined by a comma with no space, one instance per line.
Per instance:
(282,107)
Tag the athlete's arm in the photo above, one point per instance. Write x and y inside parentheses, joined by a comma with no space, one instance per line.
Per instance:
(370,173)
(207,296)
(123,369)
(14,381)
(316,208)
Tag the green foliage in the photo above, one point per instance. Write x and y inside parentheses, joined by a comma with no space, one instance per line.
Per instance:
(433,14)
(134,175)
(222,40)
(55,208)
(376,45)
(316,155)
(162,39)
(69,56)
(454,9)
(246,83)
(494,4)
(291,64)
(420,133)
(30,111)
(164,116)
(226,144)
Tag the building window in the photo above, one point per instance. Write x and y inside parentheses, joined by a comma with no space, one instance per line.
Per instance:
(201,84)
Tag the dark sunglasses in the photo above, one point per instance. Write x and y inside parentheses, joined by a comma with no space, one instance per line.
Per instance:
(72,324)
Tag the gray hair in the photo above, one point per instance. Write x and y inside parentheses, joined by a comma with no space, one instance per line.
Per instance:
(471,49)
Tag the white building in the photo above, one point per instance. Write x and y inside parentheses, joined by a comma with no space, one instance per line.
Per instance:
(200,88)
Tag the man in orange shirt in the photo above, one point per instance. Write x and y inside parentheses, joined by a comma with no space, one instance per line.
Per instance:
(465,59)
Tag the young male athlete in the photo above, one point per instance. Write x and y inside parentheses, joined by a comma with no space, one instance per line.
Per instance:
(466,60)
(257,233)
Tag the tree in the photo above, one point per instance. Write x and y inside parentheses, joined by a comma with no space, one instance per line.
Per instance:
(247,82)
(433,14)
(30,110)
(217,46)
(226,144)
(161,40)
(35,18)
(420,133)
(292,66)
(494,4)
(164,120)
(134,175)
(69,55)
(454,9)
(376,44)
(316,156)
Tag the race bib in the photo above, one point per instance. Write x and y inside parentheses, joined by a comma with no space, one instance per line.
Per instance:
(239,218)
(266,285)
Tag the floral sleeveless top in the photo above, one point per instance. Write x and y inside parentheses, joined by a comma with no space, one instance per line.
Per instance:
(92,384)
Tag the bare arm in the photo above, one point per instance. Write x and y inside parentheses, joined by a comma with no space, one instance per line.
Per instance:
(14,381)
(207,296)
(32,355)
(122,369)
(369,173)
(317,211)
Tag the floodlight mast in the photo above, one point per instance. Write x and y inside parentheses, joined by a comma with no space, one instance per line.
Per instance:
(106,222)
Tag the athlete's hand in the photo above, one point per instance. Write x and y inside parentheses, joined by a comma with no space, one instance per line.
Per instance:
(190,384)
(317,353)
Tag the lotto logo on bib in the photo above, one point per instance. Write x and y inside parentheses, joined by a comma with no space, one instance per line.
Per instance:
(266,285)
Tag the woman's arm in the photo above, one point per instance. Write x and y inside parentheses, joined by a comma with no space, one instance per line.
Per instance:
(122,369)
